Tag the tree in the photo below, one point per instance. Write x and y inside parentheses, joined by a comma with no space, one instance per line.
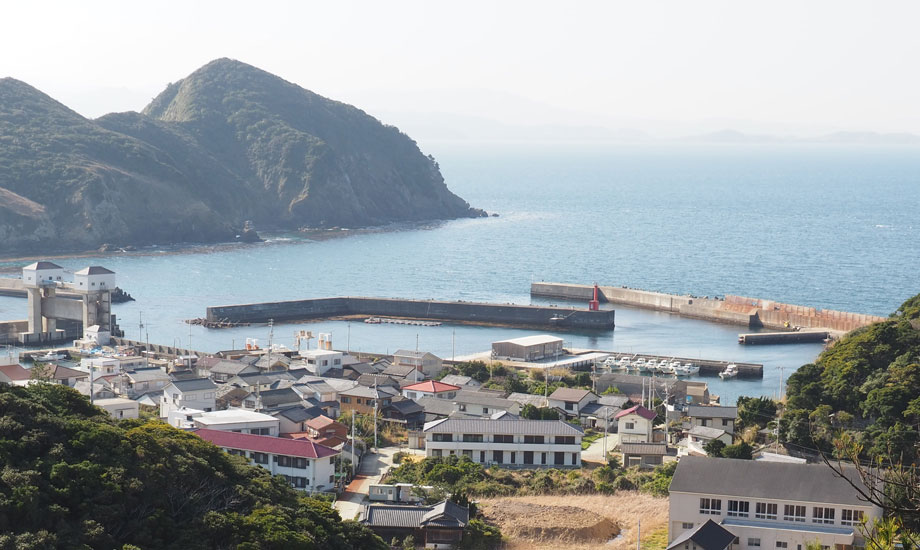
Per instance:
(755,411)
(714,447)
(741,450)
(531,412)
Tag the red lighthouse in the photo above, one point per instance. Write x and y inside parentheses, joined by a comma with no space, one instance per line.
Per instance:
(594,304)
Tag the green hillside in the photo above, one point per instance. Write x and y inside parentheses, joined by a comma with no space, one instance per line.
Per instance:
(868,384)
(73,478)
(227,144)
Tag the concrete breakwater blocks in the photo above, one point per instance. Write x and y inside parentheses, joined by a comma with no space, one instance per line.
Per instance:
(466,312)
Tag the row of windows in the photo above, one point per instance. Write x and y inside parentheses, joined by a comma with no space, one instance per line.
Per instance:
(527,457)
(769,510)
(503,438)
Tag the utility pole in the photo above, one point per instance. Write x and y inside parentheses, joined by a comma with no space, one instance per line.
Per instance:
(348,340)
(639,535)
(376,400)
(606,423)
(271,335)
(453,345)
(352,443)
(147,352)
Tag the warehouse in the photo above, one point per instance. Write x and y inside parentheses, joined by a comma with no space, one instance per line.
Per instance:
(528,348)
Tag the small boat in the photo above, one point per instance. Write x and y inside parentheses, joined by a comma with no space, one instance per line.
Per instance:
(51,356)
(623,363)
(687,369)
(730,371)
(663,366)
(638,364)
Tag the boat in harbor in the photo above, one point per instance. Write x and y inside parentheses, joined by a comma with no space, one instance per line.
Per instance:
(687,369)
(623,363)
(51,356)
(730,371)
(639,364)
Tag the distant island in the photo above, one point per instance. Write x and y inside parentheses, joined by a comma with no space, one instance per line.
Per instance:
(227,145)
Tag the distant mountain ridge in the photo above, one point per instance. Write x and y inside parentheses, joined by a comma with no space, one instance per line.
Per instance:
(228,144)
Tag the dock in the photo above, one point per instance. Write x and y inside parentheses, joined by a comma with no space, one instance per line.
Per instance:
(475,313)
(708,367)
(787,337)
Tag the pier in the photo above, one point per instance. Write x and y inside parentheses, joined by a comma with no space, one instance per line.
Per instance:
(796,337)
(738,310)
(476,313)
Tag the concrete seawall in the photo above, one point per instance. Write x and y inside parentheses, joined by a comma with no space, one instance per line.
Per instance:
(466,312)
(738,310)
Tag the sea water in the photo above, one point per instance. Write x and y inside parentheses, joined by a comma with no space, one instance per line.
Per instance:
(824,226)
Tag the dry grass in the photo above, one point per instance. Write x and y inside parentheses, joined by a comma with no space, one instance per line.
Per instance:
(625,508)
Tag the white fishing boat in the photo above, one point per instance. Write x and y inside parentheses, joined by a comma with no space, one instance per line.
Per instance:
(610,362)
(730,371)
(51,356)
(663,366)
(623,363)
(687,369)
(639,364)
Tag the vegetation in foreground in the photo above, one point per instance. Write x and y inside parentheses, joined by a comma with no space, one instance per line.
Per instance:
(460,475)
(74,478)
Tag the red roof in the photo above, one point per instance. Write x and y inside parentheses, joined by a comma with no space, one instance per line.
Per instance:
(432,386)
(14,372)
(638,409)
(265,444)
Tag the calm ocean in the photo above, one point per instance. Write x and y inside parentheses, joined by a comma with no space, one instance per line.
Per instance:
(826,226)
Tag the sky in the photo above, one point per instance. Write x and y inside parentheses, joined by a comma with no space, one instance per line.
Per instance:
(665,68)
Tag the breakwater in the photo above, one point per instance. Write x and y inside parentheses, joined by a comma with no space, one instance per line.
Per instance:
(464,312)
(739,310)
(789,337)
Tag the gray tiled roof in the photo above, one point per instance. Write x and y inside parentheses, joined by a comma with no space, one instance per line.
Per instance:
(569,394)
(194,384)
(644,448)
(460,380)
(699,411)
(273,398)
(613,400)
(707,431)
(528,399)
(600,411)
(229,366)
(480,398)
(708,536)
(443,514)
(488,426)
(436,405)
(761,479)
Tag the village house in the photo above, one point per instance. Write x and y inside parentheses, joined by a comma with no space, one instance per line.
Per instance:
(141,381)
(362,399)
(294,419)
(198,393)
(769,505)
(430,388)
(437,526)
(238,420)
(465,382)
(644,455)
(222,370)
(475,403)
(518,442)
(118,407)
(307,466)
(571,400)
(14,374)
(270,400)
(635,425)
(426,362)
(320,361)
(713,417)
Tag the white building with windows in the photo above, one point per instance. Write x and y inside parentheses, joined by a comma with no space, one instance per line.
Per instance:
(320,361)
(237,420)
(635,424)
(768,505)
(516,442)
(307,466)
(198,393)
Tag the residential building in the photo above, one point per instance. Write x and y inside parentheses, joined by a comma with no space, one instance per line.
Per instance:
(321,361)
(307,466)
(405,410)
(118,407)
(571,400)
(141,381)
(223,370)
(362,399)
(518,442)
(294,419)
(465,382)
(769,505)
(430,388)
(643,454)
(475,403)
(701,435)
(713,417)
(404,372)
(427,363)
(198,393)
(238,420)
(63,375)
(635,425)
(707,536)
(270,400)
(326,431)
(14,374)
(528,348)
(438,526)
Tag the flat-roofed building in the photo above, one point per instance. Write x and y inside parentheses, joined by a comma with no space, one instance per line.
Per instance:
(528,348)
(238,420)
(769,505)
(118,407)
(517,442)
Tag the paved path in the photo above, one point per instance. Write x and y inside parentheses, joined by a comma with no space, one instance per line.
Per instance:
(595,452)
(371,469)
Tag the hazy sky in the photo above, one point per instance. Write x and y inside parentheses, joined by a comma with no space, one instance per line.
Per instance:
(782,66)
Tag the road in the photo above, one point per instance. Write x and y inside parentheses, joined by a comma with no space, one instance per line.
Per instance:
(371,469)
(595,452)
